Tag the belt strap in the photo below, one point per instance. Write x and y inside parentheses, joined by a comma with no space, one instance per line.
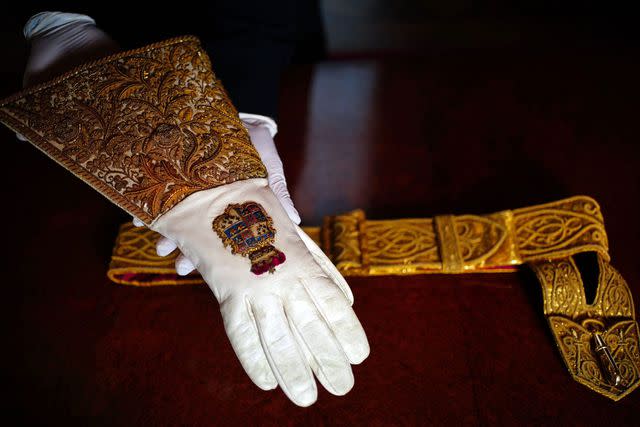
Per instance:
(464,243)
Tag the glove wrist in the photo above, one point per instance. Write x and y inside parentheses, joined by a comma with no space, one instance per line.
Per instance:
(191,225)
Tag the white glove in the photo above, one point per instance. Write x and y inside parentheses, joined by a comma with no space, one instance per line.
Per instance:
(284,325)
(261,131)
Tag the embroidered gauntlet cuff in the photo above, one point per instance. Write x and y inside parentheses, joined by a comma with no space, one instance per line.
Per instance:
(146,128)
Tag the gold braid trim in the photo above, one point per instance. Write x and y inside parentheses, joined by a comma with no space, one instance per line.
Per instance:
(146,128)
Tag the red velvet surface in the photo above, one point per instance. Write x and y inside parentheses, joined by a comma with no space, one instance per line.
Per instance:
(463,132)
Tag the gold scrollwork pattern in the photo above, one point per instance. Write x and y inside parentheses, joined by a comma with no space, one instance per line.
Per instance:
(146,127)
(343,240)
(134,260)
(412,241)
(561,287)
(464,243)
(470,242)
(560,228)
(138,243)
(575,324)
(479,237)
(614,296)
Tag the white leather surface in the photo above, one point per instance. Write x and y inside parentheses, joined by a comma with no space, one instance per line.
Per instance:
(283,326)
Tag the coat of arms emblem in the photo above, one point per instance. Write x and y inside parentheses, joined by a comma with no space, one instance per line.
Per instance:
(249,231)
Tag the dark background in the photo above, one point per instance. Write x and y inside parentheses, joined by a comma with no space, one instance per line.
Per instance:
(405,108)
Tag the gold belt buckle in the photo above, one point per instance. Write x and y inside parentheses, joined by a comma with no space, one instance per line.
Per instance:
(599,342)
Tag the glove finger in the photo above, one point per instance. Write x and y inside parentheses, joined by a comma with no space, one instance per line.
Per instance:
(285,357)
(279,187)
(184,265)
(164,246)
(137,222)
(340,317)
(287,204)
(245,341)
(326,264)
(261,131)
(323,353)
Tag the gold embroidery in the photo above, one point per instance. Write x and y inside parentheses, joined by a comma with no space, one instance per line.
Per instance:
(561,287)
(578,327)
(134,260)
(146,127)
(138,243)
(344,234)
(464,243)
(405,242)
(614,296)
(560,228)
(480,237)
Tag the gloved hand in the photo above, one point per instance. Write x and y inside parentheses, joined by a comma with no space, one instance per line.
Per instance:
(261,131)
(282,326)
(60,41)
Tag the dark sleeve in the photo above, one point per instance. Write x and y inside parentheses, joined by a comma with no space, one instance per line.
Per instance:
(250,47)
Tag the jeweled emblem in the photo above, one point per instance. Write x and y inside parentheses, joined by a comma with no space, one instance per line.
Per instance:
(249,231)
